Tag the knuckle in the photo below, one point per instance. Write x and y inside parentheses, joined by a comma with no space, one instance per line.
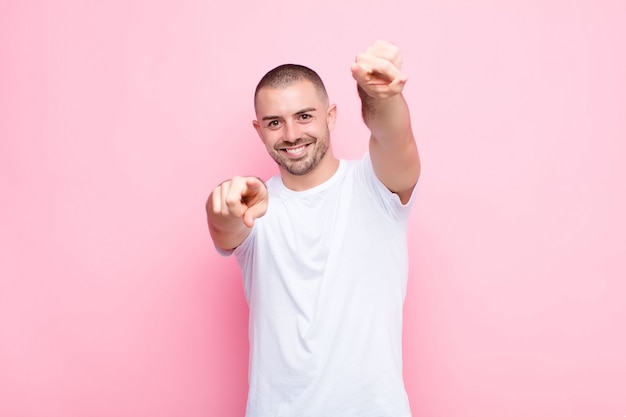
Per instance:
(232,201)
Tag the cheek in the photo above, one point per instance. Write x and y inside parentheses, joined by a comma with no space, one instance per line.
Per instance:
(314,129)
(270,138)
(322,128)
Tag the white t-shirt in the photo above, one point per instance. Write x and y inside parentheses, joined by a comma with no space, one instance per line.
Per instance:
(324,273)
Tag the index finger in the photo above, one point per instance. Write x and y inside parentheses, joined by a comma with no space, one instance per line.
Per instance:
(379,67)
(254,187)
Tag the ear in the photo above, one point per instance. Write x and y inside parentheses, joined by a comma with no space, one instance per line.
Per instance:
(331,116)
(257,127)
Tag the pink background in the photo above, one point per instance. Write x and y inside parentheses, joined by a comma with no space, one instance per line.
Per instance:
(117,118)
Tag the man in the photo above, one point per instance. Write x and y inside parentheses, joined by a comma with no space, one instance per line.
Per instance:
(322,246)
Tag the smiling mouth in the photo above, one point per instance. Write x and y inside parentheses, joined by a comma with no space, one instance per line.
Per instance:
(295,151)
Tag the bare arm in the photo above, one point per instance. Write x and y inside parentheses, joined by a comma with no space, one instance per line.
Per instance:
(232,208)
(392,145)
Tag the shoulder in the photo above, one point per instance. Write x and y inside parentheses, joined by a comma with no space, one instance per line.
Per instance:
(390,202)
(273,183)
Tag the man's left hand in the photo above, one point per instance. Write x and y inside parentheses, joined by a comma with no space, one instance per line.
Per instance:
(377,70)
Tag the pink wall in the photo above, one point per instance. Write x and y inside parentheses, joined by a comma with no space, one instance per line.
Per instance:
(117,118)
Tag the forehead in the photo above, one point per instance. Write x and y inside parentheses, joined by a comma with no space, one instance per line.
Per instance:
(288,99)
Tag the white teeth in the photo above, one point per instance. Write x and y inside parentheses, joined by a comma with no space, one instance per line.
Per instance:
(295,150)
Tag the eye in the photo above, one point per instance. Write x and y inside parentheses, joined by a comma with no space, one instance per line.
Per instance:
(272,124)
(305,117)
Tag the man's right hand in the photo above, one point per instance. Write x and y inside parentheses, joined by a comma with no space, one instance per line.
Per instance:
(239,198)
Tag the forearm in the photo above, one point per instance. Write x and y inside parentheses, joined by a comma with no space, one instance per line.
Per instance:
(388,120)
(226,232)
(392,146)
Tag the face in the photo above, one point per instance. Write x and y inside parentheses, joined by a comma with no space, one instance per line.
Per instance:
(294,123)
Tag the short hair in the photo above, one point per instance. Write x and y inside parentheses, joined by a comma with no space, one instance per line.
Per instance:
(288,74)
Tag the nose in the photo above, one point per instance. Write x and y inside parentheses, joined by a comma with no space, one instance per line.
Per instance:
(292,131)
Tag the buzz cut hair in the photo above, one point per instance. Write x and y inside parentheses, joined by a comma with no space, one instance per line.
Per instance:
(288,74)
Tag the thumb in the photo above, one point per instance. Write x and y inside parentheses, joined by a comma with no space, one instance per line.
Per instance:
(398,83)
(254,212)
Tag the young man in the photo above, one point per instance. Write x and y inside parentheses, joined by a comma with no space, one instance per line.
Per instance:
(322,246)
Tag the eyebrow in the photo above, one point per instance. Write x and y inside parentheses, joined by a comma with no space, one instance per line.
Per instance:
(307,110)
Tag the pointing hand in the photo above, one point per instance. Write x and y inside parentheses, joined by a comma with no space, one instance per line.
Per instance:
(240,197)
(377,70)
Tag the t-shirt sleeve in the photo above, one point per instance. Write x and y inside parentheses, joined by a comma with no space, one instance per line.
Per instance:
(223,252)
(388,201)
(244,251)
(240,250)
